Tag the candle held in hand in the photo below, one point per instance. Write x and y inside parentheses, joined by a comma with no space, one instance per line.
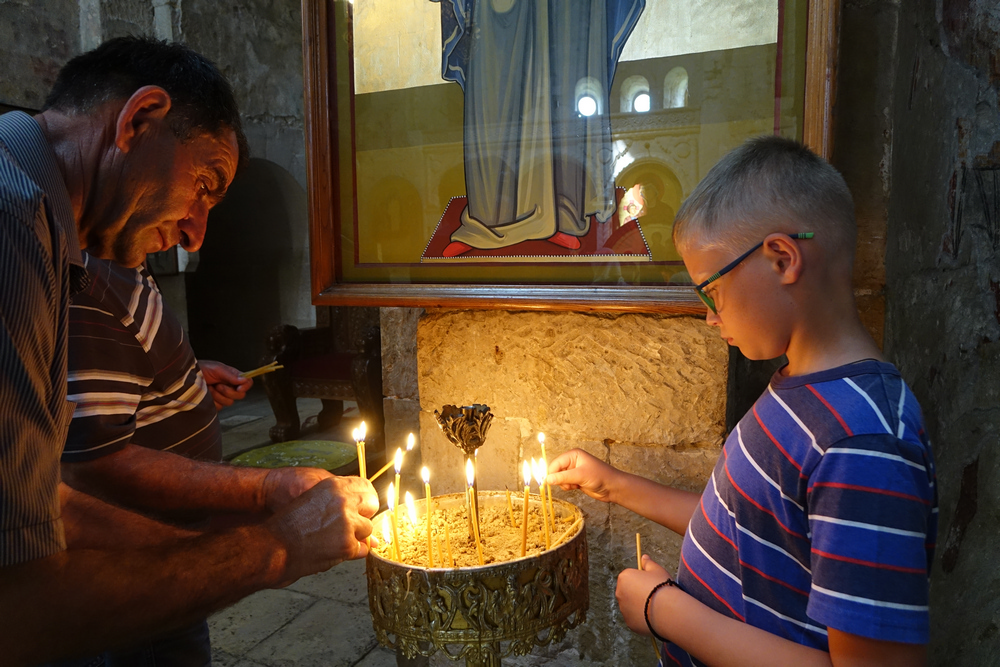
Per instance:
(540,479)
(391,501)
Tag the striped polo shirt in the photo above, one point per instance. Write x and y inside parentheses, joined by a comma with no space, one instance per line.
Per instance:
(132,372)
(821,512)
(37,241)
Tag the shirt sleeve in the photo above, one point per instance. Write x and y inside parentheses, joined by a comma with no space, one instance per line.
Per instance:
(33,410)
(870,502)
(108,373)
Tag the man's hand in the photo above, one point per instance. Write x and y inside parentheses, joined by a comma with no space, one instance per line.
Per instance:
(633,590)
(325,526)
(576,469)
(225,382)
(283,485)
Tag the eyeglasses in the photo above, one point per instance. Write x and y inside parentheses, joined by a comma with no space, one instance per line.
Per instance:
(732,265)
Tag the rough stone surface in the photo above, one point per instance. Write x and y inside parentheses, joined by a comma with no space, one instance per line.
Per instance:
(943,299)
(345,582)
(238,629)
(36,39)
(399,352)
(325,635)
(641,392)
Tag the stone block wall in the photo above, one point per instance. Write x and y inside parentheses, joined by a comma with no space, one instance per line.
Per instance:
(644,393)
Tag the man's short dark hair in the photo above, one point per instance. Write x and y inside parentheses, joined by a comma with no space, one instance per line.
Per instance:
(202,101)
(769,184)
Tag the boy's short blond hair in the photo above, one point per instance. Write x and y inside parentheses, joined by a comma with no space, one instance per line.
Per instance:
(769,184)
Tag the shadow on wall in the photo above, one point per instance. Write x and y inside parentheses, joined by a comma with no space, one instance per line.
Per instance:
(248,265)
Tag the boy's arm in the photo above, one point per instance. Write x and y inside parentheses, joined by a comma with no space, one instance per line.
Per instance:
(576,469)
(722,641)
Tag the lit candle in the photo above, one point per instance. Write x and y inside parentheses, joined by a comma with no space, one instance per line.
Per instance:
(540,478)
(541,441)
(399,465)
(362,463)
(470,475)
(390,546)
(547,491)
(411,510)
(391,500)
(409,445)
(526,471)
(426,475)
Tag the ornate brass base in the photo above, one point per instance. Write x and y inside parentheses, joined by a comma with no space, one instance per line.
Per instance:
(482,614)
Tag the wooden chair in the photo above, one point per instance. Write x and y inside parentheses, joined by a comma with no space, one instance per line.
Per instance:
(338,360)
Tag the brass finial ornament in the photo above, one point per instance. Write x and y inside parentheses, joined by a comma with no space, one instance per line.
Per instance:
(466,426)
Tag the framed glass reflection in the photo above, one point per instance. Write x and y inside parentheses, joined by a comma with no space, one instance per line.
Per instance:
(534,153)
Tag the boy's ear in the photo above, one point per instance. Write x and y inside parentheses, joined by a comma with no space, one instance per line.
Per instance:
(785,256)
(147,106)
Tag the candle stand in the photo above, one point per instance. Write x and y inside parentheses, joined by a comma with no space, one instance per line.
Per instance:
(482,614)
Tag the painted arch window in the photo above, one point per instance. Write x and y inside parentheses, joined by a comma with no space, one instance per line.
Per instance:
(635,94)
(675,89)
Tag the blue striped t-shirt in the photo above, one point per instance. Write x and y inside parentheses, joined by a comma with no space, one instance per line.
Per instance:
(821,512)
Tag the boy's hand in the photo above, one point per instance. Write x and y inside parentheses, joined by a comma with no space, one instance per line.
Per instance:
(633,590)
(576,469)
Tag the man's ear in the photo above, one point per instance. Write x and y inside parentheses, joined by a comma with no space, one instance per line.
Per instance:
(146,107)
(785,256)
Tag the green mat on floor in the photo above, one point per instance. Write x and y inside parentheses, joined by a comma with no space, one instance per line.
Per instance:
(327,454)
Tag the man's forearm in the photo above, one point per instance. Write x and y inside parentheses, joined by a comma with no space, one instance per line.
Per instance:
(82,602)
(666,506)
(147,479)
(91,523)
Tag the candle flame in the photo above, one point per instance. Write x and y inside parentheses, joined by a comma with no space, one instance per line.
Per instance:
(470,472)
(354,435)
(541,438)
(362,431)
(425,475)
(411,509)
(410,441)
(391,493)
(539,471)
(399,459)
(526,471)
(386,530)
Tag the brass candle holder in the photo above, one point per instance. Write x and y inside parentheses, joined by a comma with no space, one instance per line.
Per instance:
(482,614)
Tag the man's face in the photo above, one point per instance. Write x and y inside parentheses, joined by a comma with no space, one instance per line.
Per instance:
(750,315)
(165,195)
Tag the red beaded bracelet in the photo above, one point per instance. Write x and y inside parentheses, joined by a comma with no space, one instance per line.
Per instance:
(668,582)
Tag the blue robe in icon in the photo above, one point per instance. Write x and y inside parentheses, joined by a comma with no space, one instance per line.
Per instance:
(534,165)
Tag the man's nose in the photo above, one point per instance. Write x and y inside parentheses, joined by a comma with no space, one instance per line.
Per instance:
(192,228)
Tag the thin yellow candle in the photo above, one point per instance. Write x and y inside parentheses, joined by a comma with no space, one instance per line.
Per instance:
(362,463)
(409,446)
(437,538)
(541,441)
(447,543)
(390,546)
(399,466)
(526,472)
(426,475)
(470,475)
(391,500)
(357,443)
(638,560)
(544,466)
(411,510)
(510,509)
(540,478)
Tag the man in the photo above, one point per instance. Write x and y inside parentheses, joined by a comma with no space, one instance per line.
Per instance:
(138,140)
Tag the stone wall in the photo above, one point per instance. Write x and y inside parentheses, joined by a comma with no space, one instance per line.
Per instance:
(942,322)
(644,393)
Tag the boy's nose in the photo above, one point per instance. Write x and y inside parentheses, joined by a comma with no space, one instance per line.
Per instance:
(712,318)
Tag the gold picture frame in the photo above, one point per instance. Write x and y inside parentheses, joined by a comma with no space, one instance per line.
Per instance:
(331,143)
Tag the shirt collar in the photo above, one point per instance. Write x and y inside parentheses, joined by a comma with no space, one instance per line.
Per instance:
(26,142)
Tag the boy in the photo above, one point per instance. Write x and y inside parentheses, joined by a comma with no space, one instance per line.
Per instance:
(812,542)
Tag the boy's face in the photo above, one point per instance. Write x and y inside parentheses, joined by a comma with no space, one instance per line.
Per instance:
(750,303)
